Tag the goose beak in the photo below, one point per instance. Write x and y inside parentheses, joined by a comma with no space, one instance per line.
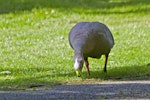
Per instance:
(78,72)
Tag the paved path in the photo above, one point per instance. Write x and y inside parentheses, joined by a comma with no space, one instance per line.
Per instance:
(104,90)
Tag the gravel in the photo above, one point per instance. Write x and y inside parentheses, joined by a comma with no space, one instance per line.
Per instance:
(104,90)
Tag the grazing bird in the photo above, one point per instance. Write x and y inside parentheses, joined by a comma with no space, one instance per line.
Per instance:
(90,39)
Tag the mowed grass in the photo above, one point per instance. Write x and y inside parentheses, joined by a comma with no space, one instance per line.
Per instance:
(34,48)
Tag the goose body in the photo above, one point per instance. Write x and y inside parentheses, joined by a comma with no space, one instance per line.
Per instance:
(90,39)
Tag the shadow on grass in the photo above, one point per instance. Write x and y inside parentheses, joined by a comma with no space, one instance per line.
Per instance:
(129,73)
(32,83)
(126,73)
(95,6)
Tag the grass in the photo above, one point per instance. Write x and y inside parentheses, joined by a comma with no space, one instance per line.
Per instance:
(34,49)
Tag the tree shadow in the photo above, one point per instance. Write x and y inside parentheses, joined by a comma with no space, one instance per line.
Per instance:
(90,7)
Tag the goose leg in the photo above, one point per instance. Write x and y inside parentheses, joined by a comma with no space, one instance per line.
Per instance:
(87,66)
(106,58)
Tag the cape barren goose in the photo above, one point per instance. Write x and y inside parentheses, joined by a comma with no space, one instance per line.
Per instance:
(90,39)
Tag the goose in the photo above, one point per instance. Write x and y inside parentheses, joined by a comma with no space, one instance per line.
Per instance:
(90,39)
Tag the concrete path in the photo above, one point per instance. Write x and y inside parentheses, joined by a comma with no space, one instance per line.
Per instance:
(105,90)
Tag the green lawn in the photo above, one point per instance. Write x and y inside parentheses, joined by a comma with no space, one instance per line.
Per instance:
(34,48)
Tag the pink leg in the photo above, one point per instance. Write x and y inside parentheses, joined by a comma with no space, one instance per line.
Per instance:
(87,66)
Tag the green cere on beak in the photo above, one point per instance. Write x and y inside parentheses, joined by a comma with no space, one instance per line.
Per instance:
(78,72)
